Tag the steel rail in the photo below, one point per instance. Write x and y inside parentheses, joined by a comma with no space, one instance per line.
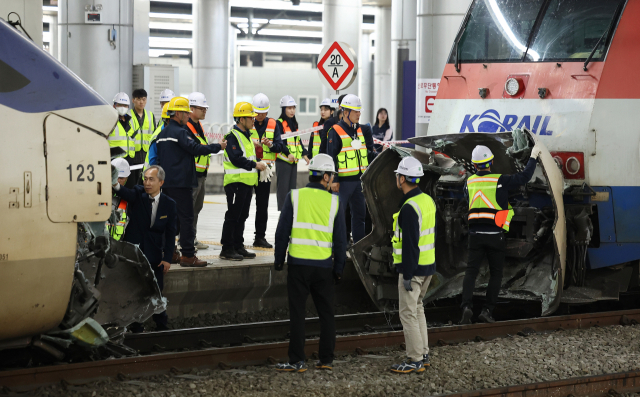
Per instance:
(270,352)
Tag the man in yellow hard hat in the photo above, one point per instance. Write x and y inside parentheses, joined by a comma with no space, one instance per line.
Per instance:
(176,149)
(241,171)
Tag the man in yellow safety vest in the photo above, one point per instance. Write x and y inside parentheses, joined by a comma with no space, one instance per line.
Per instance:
(489,219)
(312,228)
(144,124)
(120,136)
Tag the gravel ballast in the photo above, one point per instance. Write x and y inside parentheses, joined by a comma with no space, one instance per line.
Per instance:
(455,368)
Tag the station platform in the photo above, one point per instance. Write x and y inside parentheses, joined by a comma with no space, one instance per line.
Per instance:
(238,286)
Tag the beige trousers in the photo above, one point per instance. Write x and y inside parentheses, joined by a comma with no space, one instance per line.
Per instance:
(412,316)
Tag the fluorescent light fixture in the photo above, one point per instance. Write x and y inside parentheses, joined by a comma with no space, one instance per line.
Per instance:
(158,52)
(291,33)
(278,47)
(170,16)
(496,14)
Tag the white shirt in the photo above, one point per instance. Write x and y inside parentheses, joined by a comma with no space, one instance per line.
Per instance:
(154,207)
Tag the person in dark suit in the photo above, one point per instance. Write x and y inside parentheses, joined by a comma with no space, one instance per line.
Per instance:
(152,225)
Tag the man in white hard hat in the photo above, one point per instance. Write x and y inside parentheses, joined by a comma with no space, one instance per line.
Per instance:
(119,205)
(266,136)
(414,255)
(489,218)
(198,105)
(144,124)
(312,228)
(120,136)
(315,140)
(351,146)
(165,97)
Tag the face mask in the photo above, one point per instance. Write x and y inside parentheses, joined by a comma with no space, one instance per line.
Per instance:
(122,110)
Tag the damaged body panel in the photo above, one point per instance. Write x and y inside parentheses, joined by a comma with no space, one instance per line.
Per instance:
(536,243)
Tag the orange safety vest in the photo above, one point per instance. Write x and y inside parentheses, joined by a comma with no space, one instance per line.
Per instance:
(293,144)
(202,162)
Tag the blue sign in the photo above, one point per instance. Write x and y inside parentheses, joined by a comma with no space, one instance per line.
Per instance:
(489,121)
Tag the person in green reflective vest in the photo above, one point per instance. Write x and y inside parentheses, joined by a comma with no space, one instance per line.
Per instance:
(144,124)
(414,255)
(312,227)
(119,206)
(241,171)
(489,219)
(119,137)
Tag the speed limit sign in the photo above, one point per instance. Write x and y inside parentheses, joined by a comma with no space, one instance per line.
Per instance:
(338,65)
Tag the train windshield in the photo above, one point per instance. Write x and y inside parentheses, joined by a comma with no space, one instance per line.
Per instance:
(536,30)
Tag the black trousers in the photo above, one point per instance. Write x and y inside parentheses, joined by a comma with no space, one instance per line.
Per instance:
(491,246)
(302,280)
(184,203)
(263,190)
(238,204)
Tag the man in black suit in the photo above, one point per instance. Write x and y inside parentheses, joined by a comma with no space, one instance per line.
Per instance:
(152,225)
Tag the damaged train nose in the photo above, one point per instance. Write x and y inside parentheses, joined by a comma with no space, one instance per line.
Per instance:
(536,241)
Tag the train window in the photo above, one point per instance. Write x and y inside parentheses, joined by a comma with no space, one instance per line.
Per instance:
(570,29)
(497,31)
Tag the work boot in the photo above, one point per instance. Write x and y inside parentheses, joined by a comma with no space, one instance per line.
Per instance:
(176,256)
(245,254)
(467,313)
(486,317)
(230,254)
(199,245)
(262,243)
(192,261)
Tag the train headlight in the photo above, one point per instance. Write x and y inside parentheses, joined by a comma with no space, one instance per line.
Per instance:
(572,165)
(512,86)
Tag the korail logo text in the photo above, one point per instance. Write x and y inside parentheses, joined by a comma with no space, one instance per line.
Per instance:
(490,121)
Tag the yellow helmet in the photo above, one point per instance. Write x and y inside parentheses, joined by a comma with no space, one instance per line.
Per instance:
(244,109)
(164,111)
(179,104)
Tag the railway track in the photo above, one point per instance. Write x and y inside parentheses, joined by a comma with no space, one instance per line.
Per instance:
(261,353)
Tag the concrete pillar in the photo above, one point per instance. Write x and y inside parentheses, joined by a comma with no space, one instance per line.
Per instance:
(141,10)
(342,21)
(365,80)
(86,50)
(403,48)
(233,68)
(438,23)
(30,12)
(382,83)
(211,56)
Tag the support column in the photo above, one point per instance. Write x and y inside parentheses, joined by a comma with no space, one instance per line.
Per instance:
(403,48)
(85,47)
(141,10)
(382,58)
(365,81)
(211,56)
(438,23)
(342,21)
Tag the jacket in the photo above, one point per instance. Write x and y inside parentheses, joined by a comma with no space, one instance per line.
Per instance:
(325,131)
(234,151)
(283,232)
(158,242)
(410,225)
(176,149)
(334,146)
(505,183)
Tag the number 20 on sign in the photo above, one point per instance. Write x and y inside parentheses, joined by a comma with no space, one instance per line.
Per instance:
(338,65)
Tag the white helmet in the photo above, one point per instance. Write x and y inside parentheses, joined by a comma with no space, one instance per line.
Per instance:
(122,166)
(352,102)
(323,163)
(260,103)
(411,167)
(121,98)
(166,95)
(287,101)
(481,154)
(198,99)
(326,102)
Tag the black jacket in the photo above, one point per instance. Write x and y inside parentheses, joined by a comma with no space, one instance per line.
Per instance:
(157,243)
(176,151)
(283,233)
(410,224)
(234,150)
(505,183)
(334,146)
(324,133)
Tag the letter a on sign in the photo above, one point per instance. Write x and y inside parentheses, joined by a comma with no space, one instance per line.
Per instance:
(337,65)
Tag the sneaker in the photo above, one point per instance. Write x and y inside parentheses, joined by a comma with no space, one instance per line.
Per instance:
(426,361)
(486,317)
(467,313)
(199,245)
(321,365)
(245,254)
(407,367)
(192,261)
(300,366)
(262,243)
(230,254)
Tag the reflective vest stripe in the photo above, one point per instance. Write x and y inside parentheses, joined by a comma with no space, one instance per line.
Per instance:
(202,162)
(349,166)
(144,132)
(233,174)
(315,150)
(482,179)
(480,195)
(300,225)
(312,243)
(425,208)
(293,145)
(314,213)
(483,204)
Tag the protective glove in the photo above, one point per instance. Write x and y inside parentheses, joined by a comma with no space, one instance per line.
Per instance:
(264,174)
(270,172)
(278,266)
(407,285)
(535,152)
(337,278)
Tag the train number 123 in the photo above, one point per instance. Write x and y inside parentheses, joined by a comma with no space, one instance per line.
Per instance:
(80,173)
